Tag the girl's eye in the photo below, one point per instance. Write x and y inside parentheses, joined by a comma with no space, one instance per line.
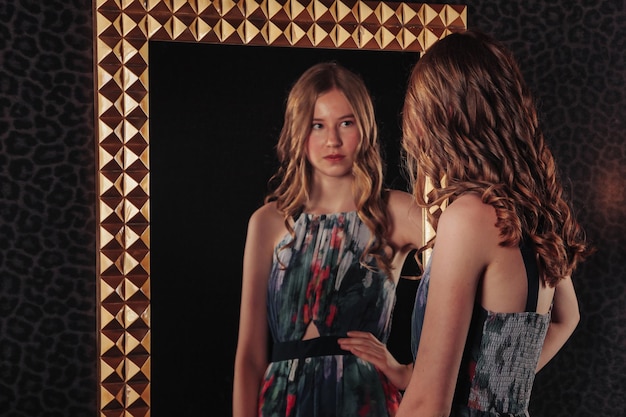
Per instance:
(316,126)
(347,123)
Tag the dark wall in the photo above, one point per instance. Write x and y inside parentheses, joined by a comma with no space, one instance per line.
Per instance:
(47,210)
(572,54)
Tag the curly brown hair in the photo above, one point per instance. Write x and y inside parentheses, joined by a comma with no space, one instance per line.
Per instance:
(292,181)
(470,125)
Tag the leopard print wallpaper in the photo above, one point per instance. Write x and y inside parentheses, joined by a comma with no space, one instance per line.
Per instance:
(572,53)
(48,350)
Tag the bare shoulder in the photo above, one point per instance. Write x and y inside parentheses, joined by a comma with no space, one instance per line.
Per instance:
(407,219)
(401,203)
(266,216)
(267,222)
(467,232)
(468,214)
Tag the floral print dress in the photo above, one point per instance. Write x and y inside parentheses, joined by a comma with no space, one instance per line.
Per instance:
(501,354)
(319,280)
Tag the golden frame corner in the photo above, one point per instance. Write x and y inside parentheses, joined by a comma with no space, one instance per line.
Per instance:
(122,30)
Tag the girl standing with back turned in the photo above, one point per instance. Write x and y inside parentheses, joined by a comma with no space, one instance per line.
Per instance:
(496,301)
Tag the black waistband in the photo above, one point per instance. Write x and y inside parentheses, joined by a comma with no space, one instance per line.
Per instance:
(300,349)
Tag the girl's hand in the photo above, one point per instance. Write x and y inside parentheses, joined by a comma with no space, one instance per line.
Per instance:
(367,347)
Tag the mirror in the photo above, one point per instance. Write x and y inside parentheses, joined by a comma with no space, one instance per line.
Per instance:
(124,36)
(209,165)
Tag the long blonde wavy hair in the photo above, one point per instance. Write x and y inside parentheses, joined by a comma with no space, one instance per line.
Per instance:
(291,183)
(470,125)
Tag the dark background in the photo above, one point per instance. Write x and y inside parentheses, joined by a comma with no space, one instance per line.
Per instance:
(572,55)
(215,116)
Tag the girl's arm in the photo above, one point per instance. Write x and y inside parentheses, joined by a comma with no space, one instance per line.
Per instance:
(565,318)
(367,347)
(251,353)
(465,237)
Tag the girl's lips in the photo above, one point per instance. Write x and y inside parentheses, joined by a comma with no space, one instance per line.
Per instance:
(334,157)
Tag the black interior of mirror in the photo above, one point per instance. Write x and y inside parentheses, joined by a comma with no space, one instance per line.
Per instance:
(215,116)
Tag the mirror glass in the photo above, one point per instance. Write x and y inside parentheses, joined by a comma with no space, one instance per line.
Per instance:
(178,179)
(210,160)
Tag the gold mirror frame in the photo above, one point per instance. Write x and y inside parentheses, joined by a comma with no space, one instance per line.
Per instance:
(123,29)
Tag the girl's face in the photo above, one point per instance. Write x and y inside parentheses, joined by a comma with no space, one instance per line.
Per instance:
(332,144)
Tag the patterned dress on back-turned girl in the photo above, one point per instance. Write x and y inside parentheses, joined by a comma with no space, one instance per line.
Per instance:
(501,352)
(323,283)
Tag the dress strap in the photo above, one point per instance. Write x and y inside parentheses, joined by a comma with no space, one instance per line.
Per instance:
(300,349)
(532,274)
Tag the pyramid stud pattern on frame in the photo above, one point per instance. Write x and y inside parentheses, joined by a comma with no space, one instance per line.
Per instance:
(123,29)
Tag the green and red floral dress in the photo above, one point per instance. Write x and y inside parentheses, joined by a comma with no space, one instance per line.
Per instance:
(323,283)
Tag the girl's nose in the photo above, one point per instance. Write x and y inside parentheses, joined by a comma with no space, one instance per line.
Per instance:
(333,139)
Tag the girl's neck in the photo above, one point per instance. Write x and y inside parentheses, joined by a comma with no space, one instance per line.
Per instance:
(331,197)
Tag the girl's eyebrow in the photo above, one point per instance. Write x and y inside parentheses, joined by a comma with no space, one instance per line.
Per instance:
(347,116)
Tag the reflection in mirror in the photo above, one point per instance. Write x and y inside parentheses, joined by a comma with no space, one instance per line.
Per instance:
(210,160)
(190,267)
